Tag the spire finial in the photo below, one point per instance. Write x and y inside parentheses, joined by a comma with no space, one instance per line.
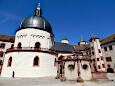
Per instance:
(38,5)
(38,10)
(82,38)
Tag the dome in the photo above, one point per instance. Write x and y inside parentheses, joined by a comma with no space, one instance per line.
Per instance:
(36,22)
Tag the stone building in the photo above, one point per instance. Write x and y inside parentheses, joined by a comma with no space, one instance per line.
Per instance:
(6,42)
(36,54)
(31,55)
(108,51)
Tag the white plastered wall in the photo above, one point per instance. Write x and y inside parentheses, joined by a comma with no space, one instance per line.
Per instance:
(71,74)
(22,65)
(28,38)
(85,73)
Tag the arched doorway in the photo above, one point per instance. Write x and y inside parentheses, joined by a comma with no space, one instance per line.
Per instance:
(37,45)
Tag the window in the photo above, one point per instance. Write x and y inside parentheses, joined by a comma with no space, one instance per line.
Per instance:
(97,59)
(12,46)
(99,50)
(101,58)
(109,65)
(92,53)
(103,65)
(19,45)
(37,45)
(105,48)
(2,45)
(92,48)
(99,66)
(94,67)
(36,61)
(1,62)
(55,62)
(9,62)
(110,48)
(1,54)
(108,59)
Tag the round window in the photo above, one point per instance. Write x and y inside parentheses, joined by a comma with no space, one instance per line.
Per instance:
(85,66)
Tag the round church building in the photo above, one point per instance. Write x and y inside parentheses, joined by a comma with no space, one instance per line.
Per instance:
(30,56)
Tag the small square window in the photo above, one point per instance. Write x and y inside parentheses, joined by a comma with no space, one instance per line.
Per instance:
(101,58)
(97,59)
(92,53)
(103,65)
(99,67)
(2,45)
(109,65)
(99,50)
(105,48)
(110,48)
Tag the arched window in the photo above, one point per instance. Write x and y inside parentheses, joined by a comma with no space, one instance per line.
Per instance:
(37,45)
(55,62)
(9,62)
(12,46)
(19,45)
(36,61)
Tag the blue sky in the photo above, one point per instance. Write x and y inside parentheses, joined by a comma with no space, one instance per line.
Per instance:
(72,19)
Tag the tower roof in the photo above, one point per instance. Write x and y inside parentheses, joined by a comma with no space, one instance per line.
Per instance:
(36,21)
(93,37)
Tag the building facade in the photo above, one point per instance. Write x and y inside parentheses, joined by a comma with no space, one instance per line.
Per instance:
(108,51)
(96,54)
(6,42)
(30,56)
(34,53)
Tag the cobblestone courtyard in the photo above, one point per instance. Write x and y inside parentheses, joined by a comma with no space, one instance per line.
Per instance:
(49,82)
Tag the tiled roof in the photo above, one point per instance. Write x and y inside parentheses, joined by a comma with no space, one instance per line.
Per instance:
(7,38)
(62,47)
(82,47)
(93,37)
(108,39)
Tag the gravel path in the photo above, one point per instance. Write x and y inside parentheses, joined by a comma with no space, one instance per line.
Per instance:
(49,82)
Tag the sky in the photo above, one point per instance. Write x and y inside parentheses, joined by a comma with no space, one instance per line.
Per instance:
(71,19)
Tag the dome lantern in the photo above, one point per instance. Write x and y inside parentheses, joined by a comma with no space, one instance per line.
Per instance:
(36,22)
(38,10)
